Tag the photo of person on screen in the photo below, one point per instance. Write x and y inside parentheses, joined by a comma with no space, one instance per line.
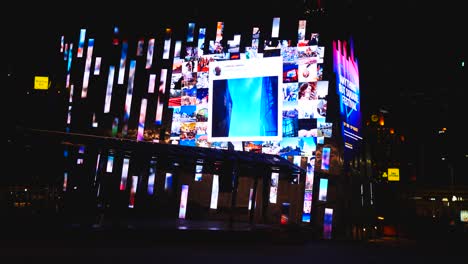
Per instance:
(308,91)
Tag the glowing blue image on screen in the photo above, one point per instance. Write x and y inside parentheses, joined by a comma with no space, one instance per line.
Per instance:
(151,177)
(168,182)
(110,163)
(325,158)
(245,100)
(323,186)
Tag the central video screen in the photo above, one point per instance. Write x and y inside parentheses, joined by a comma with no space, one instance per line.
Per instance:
(245,100)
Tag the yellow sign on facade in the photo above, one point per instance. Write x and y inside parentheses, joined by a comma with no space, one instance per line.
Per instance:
(41,82)
(393,174)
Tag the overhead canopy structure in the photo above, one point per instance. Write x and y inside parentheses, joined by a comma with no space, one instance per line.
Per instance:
(172,153)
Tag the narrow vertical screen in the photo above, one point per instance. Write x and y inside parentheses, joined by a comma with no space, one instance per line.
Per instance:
(151,177)
(161,94)
(190,32)
(110,83)
(274,187)
(141,121)
(168,182)
(149,54)
(110,163)
(323,187)
(123,179)
(151,83)
(89,57)
(275,27)
(123,61)
(183,201)
(327,223)
(79,54)
(97,66)
(167,44)
(214,192)
(128,98)
(133,191)
(325,158)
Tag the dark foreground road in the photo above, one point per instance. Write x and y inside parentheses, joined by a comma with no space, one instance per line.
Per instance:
(85,245)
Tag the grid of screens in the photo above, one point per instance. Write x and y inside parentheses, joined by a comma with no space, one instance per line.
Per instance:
(269,96)
(273,101)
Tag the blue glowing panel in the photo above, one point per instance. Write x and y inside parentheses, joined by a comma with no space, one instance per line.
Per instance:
(245,100)
(123,61)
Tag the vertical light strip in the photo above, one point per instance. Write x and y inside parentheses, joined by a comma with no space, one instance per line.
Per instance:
(140,44)
(167,44)
(141,121)
(67,81)
(177,50)
(275,27)
(327,223)
(62,43)
(65,52)
(325,158)
(70,98)
(70,55)
(97,168)
(190,32)
(123,178)
(201,40)
(219,31)
(214,192)
(128,99)
(133,191)
(123,60)
(65,181)
(97,66)
(149,54)
(250,198)
(168,182)
(274,187)
(301,31)
(151,176)
(89,57)
(307,207)
(161,94)
(79,54)
(183,201)
(323,187)
(110,163)
(110,83)
(69,115)
(151,83)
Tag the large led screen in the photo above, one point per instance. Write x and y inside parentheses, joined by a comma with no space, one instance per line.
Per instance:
(347,82)
(245,98)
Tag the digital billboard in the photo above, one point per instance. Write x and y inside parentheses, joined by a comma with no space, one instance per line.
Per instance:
(245,98)
(347,82)
(267,97)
